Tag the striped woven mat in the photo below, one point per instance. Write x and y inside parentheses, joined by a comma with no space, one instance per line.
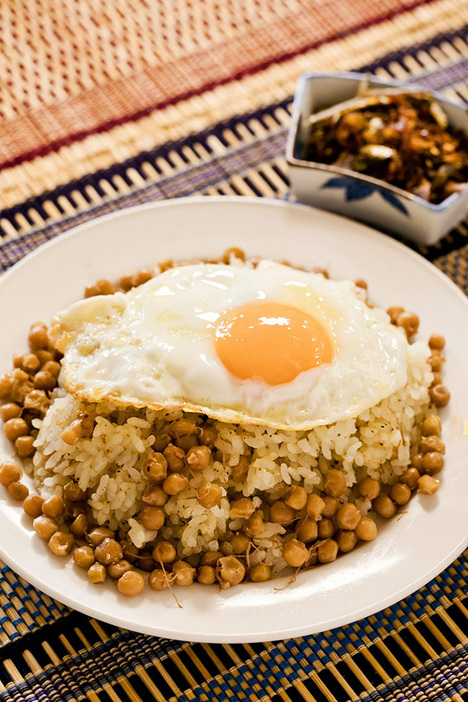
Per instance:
(107,105)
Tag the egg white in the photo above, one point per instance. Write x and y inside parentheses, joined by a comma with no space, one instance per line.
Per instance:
(154,346)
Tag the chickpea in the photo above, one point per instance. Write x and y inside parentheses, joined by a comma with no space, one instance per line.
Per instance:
(116,570)
(83,556)
(436,361)
(226,548)
(409,322)
(127,282)
(366,530)
(32,506)
(44,381)
(38,337)
(230,571)
(159,580)
(331,506)
(369,488)
(240,543)
(206,575)
(307,530)
(61,543)
(152,517)
(175,458)
(281,513)
(254,525)
(52,367)
(155,467)
(209,495)
(9,473)
(73,492)
(183,427)
(53,507)
(21,386)
(97,536)
(161,442)
(164,552)
(155,495)
(326,528)
(207,437)
(327,551)
(346,540)
(433,462)
(437,342)
(410,477)
(100,287)
(45,527)
(108,551)
(384,506)
(184,573)
(394,313)
(146,562)
(295,553)
(348,516)
(130,551)
(10,411)
(15,427)
(18,490)
(79,526)
(24,446)
(439,395)
(30,362)
(6,386)
(36,400)
(400,493)
(242,508)
(315,506)
(297,497)
(87,421)
(186,442)
(210,558)
(175,483)
(432,425)
(335,483)
(44,356)
(432,443)
(260,573)
(97,573)
(235,252)
(417,461)
(72,434)
(427,485)
(198,457)
(130,583)
(241,467)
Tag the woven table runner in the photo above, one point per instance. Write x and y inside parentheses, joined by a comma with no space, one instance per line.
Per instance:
(82,135)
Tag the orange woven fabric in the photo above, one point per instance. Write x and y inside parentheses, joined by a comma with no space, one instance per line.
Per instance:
(70,69)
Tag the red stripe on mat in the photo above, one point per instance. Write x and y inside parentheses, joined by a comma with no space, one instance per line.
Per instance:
(98,110)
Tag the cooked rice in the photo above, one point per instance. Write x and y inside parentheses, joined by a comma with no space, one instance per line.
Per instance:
(109,464)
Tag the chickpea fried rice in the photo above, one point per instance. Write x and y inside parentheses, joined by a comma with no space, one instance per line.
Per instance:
(187,497)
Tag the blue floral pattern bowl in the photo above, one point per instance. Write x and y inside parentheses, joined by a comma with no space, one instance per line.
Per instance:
(356,195)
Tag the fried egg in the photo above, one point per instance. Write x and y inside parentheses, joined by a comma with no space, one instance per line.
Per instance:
(269,345)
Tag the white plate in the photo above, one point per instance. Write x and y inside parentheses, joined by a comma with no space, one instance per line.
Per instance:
(409,551)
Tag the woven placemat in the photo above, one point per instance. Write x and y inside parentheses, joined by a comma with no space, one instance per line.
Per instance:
(416,650)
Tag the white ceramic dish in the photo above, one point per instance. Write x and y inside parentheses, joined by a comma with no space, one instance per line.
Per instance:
(409,551)
(356,194)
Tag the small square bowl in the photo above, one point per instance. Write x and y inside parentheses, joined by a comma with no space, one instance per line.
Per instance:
(357,195)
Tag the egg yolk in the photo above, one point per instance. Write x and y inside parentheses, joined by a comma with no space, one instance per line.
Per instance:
(270,341)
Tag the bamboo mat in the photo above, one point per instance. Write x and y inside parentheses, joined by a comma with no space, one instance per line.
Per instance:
(103,113)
